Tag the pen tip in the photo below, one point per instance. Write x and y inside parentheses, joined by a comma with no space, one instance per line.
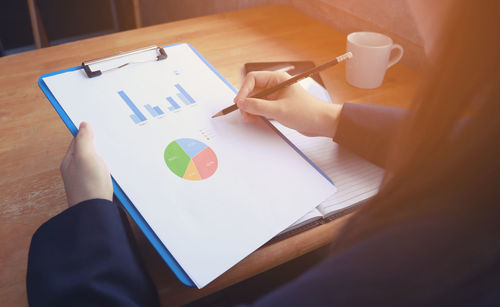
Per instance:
(217,114)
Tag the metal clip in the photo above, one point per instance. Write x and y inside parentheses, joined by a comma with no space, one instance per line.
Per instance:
(160,55)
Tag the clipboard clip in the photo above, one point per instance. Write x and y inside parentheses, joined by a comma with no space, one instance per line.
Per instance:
(160,55)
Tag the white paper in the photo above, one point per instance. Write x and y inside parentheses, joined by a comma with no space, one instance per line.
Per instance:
(260,186)
(355,178)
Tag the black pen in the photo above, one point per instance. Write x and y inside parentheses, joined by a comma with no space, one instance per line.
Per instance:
(289,82)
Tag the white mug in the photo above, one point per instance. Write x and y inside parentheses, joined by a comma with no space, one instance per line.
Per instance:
(371,57)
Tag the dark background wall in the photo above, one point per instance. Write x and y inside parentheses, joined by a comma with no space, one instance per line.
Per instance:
(392,17)
(160,11)
(64,20)
(15,26)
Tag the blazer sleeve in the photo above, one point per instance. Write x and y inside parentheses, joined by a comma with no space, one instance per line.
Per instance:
(84,257)
(368,130)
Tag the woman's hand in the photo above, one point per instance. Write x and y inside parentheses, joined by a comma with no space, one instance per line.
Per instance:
(84,173)
(292,106)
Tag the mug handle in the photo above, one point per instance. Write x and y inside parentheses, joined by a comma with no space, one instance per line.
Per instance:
(397,57)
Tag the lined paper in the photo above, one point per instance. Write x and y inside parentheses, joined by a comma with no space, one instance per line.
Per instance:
(356,179)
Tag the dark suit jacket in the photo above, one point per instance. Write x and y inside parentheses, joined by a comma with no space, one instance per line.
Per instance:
(84,256)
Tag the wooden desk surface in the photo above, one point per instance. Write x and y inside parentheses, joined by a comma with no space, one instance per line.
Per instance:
(33,140)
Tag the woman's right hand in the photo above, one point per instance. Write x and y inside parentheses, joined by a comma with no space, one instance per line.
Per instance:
(292,106)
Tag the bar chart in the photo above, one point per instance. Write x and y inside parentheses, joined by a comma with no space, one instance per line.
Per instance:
(154,111)
(182,97)
(137,117)
(173,105)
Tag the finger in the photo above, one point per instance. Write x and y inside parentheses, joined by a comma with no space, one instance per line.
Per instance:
(259,79)
(244,116)
(261,107)
(264,79)
(246,88)
(84,141)
(251,118)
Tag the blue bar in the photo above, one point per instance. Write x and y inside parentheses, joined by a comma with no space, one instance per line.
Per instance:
(132,106)
(158,110)
(174,105)
(135,118)
(183,98)
(150,110)
(183,91)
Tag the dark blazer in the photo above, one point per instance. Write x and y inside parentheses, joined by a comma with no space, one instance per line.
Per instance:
(85,256)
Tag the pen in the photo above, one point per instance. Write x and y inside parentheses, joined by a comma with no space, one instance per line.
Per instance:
(289,82)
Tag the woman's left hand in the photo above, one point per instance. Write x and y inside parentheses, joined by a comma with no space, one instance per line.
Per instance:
(84,173)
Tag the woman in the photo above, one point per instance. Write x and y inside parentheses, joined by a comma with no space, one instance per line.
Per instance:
(431,236)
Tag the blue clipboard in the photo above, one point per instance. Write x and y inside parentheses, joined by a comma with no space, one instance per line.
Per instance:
(120,194)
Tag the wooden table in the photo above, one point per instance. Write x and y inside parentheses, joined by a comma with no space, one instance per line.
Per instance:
(33,140)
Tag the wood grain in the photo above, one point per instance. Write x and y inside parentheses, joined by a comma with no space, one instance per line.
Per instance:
(33,139)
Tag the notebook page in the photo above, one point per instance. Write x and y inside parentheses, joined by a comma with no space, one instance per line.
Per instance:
(356,179)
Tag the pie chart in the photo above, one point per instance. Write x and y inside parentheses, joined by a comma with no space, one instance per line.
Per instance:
(190,159)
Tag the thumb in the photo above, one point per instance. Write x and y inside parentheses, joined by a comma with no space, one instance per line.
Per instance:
(258,106)
(84,141)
